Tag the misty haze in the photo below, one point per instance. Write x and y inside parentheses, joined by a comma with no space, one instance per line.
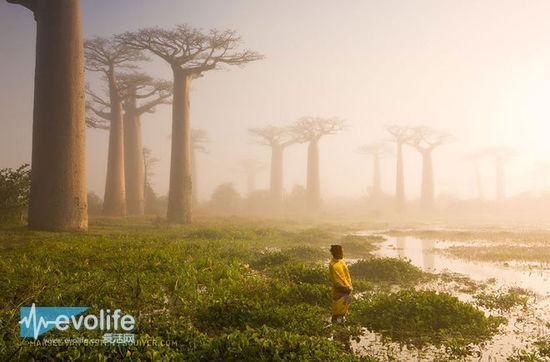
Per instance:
(275,180)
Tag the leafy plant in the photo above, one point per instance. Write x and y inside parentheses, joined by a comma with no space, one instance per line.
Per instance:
(14,193)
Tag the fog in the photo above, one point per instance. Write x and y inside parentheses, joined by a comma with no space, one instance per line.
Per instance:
(477,70)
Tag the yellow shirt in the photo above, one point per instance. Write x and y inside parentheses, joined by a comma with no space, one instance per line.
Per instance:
(339,274)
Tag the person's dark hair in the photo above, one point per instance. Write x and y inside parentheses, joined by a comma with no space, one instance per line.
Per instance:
(337,252)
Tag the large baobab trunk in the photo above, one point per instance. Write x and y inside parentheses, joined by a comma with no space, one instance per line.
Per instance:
(277,174)
(134,164)
(58,179)
(114,203)
(376,187)
(399,179)
(499,179)
(427,191)
(194,183)
(180,192)
(313,178)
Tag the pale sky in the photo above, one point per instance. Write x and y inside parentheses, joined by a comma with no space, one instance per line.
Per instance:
(477,69)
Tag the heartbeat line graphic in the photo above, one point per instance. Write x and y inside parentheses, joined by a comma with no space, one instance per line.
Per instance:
(36,321)
(37,326)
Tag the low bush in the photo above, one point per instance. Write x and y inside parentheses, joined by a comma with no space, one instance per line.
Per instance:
(418,318)
(387,270)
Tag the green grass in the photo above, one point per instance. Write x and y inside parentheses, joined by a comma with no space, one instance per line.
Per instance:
(216,290)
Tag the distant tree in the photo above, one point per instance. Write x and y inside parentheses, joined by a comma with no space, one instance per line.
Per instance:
(190,53)
(500,154)
(377,150)
(58,181)
(425,140)
(310,130)
(14,193)
(278,139)
(109,57)
(250,167)
(95,204)
(400,136)
(151,200)
(475,157)
(199,140)
(225,198)
(141,94)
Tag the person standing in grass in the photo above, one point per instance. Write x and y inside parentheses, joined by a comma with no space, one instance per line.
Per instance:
(341,284)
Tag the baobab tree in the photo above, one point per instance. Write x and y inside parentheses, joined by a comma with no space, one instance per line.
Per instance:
(190,53)
(310,130)
(377,150)
(141,94)
(58,199)
(199,139)
(250,167)
(475,157)
(400,135)
(425,140)
(108,57)
(501,154)
(277,138)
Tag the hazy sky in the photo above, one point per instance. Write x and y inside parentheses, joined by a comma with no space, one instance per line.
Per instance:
(477,69)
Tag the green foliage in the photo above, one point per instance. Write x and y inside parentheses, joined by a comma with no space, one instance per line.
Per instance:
(387,270)
(225,198)
(418,318)
(14,193)
(191,289)
(503,301)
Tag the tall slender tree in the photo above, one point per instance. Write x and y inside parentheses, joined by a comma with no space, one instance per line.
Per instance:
(58,199)
(377,150)
(501,154)
(310,130)
(141,94)
(425,140)
(400,135)
(199,139)
(475,157)
(108,57)
(190,53)
(251,168)
(278,139)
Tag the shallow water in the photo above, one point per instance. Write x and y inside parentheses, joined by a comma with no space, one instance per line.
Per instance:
(524,327)
(426,254)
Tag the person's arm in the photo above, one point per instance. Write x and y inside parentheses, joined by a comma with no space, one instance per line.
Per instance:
(338,277)
(348,276)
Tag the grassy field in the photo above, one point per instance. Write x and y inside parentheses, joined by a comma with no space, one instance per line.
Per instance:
(223,290)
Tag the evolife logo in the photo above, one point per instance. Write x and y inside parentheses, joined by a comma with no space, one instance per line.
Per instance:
(35,321)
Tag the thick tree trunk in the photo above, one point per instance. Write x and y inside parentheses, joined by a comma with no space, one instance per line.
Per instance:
(313,179)
(277,175)
(134,164)
(376,188)
(427,190)
(180,192)
(194,183)
(114,202)
(399,179)
(58,178)
(500,179)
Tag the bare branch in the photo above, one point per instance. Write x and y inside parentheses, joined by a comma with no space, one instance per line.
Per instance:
(426,139)
(188,49)
(272,136)
(308,129)
(378,149)
(107,55)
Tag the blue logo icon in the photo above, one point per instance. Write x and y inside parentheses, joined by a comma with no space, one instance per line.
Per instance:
(35,321)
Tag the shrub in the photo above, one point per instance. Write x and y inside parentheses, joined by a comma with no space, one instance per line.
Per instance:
(418,318)
(14,193)
(503,301)
(389,270)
